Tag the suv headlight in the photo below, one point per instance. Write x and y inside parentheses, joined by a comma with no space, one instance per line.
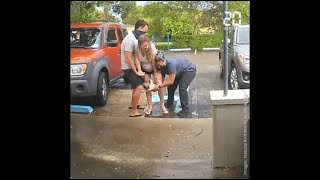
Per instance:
(78,69)
(243,58)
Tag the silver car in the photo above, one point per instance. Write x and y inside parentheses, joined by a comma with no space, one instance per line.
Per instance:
(239,58)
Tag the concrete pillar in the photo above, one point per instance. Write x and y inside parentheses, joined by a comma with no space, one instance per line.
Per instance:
(230,128)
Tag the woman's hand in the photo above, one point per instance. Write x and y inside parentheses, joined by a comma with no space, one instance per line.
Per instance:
(157,78)
(140,73)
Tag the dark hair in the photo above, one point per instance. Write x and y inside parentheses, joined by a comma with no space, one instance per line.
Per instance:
(141,23)
(159,57)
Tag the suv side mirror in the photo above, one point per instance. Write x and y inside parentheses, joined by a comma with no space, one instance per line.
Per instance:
(113,43)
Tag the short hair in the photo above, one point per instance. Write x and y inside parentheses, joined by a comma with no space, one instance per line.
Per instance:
(141,23)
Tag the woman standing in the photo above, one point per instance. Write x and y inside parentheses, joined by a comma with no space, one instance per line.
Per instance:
(146,63)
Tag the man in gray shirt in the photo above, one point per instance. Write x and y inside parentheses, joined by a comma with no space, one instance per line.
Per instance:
(181,72)
(128,57)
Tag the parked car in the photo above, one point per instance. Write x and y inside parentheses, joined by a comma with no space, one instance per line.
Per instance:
(238,58)
(95,59)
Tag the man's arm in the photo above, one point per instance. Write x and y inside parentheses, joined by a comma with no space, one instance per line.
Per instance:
(130,62)
(129,48)
(138,64)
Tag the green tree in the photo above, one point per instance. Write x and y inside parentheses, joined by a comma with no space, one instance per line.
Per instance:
(153,13)
(81,11)
(123,7)
(134,15)
(167,18)
(212,16)
(192,10)
(243,7)
(85,11)
(178,26)
(106,5)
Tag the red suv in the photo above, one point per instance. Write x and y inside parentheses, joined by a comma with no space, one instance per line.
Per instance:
(95,59)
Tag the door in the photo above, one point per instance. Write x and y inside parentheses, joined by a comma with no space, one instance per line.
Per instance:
(112,50)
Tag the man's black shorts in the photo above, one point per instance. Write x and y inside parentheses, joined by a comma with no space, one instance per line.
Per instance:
(134,79)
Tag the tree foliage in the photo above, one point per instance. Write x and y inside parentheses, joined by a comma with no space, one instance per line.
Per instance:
(134,15)
(123,7)
(212,16)
(164,17)
(84,11)
(243,7)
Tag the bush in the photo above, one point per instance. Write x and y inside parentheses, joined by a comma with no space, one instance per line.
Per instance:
(163,46)
(197,42)
(181,41)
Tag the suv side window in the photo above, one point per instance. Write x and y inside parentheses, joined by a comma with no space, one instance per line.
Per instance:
(120,35)
(111,36)
(125,32)
(231,36)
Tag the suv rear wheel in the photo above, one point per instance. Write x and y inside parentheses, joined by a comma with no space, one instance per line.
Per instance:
(102,90)
(233,78)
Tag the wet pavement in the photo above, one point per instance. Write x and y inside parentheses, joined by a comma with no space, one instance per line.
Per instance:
(207,79)
(109,144)
(140,147)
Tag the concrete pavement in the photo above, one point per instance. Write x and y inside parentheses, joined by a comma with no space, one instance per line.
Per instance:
(109,144)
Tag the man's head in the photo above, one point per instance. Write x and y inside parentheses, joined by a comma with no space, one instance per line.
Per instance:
(160,60)
(141,25)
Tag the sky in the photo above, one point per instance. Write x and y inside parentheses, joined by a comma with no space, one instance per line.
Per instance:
(142,3)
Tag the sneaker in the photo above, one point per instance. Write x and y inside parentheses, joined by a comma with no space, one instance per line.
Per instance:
(169,107)
(183,113)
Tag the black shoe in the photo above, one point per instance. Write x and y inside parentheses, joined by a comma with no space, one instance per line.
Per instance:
(183,113)
(169,106)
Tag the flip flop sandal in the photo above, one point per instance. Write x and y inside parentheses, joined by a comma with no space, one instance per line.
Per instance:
(148,113)
(130,107)
(165,112)
(138,115)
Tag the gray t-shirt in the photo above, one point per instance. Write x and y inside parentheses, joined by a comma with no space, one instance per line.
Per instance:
(129,43)
(178,66)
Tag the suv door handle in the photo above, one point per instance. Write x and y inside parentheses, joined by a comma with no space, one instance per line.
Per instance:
(119,54)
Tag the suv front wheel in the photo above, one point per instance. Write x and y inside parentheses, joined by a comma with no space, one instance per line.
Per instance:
(233,78)
(102,90)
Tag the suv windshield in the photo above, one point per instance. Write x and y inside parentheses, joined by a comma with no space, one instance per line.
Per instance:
(243,36)
(85,38)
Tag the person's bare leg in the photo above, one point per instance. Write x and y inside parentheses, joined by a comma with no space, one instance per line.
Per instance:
(147,78)
(161,92)
(136,93)
(149,101)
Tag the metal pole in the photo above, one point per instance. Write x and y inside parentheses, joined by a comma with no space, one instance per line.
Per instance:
(168,42)
(225,47)
(153,39)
